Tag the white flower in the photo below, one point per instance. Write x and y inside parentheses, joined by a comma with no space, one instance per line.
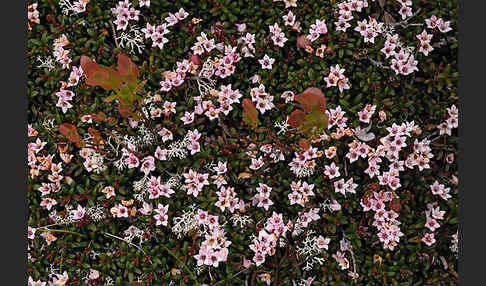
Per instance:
(266,62)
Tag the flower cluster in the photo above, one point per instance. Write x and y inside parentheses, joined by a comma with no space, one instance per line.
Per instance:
(124,13)
(278,37)
(262,198)
(439,23)
(263,101)
(247,48)
(404,63)
(64,98)
(425,47)
(226,97)
(161,218)
(317,29)
(451,122)
(32,13)
(369,30)
(157,33)
(60,53)
(75,76)
(345,187)
(337,78)
(157,189)
(440,190)
(194,182)
(214,249)
(384,220)
(300,193)
(432,215)
(173,79)
(227,199)
(266,242)
(303,164)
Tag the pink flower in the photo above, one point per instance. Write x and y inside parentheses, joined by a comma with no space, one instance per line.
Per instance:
(450,158)
(161,216)
(221,168)
(428,239)
(31,232)
(78,213)
(431,224)
(160,154)
(94,274)
(256,163)
(31,282)
(188,118)
(119,211)
(322,242)
(332,171)
(181,14)
(132,161)
(146,209)
(194,147)
(48,203)
(148,165)
(266,62)
(109,191)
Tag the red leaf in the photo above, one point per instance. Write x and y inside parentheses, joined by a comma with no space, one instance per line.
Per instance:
(395,205)
(251,112)
(297,117)
(125,110)
(100,116)
(126,67)
(195,59)
(312,99)
(97,139)
(89,66)
(71,133)
(303,42)
(106,77)
(304,144)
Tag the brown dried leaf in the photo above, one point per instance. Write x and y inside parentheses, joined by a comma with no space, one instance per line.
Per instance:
(244,175)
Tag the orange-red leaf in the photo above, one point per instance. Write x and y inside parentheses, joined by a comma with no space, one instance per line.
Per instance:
(296,118)
(100,116)
(312,99)
(251,113)
(106,77)
(89,66)
(127,69)
(303,42)
(71,133)
(97,139)
(304,144)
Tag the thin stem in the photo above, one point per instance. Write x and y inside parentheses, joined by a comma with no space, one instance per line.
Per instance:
(405,23)
(114,34)
(193,277)
(118,140)
(63,230)
(117,237)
